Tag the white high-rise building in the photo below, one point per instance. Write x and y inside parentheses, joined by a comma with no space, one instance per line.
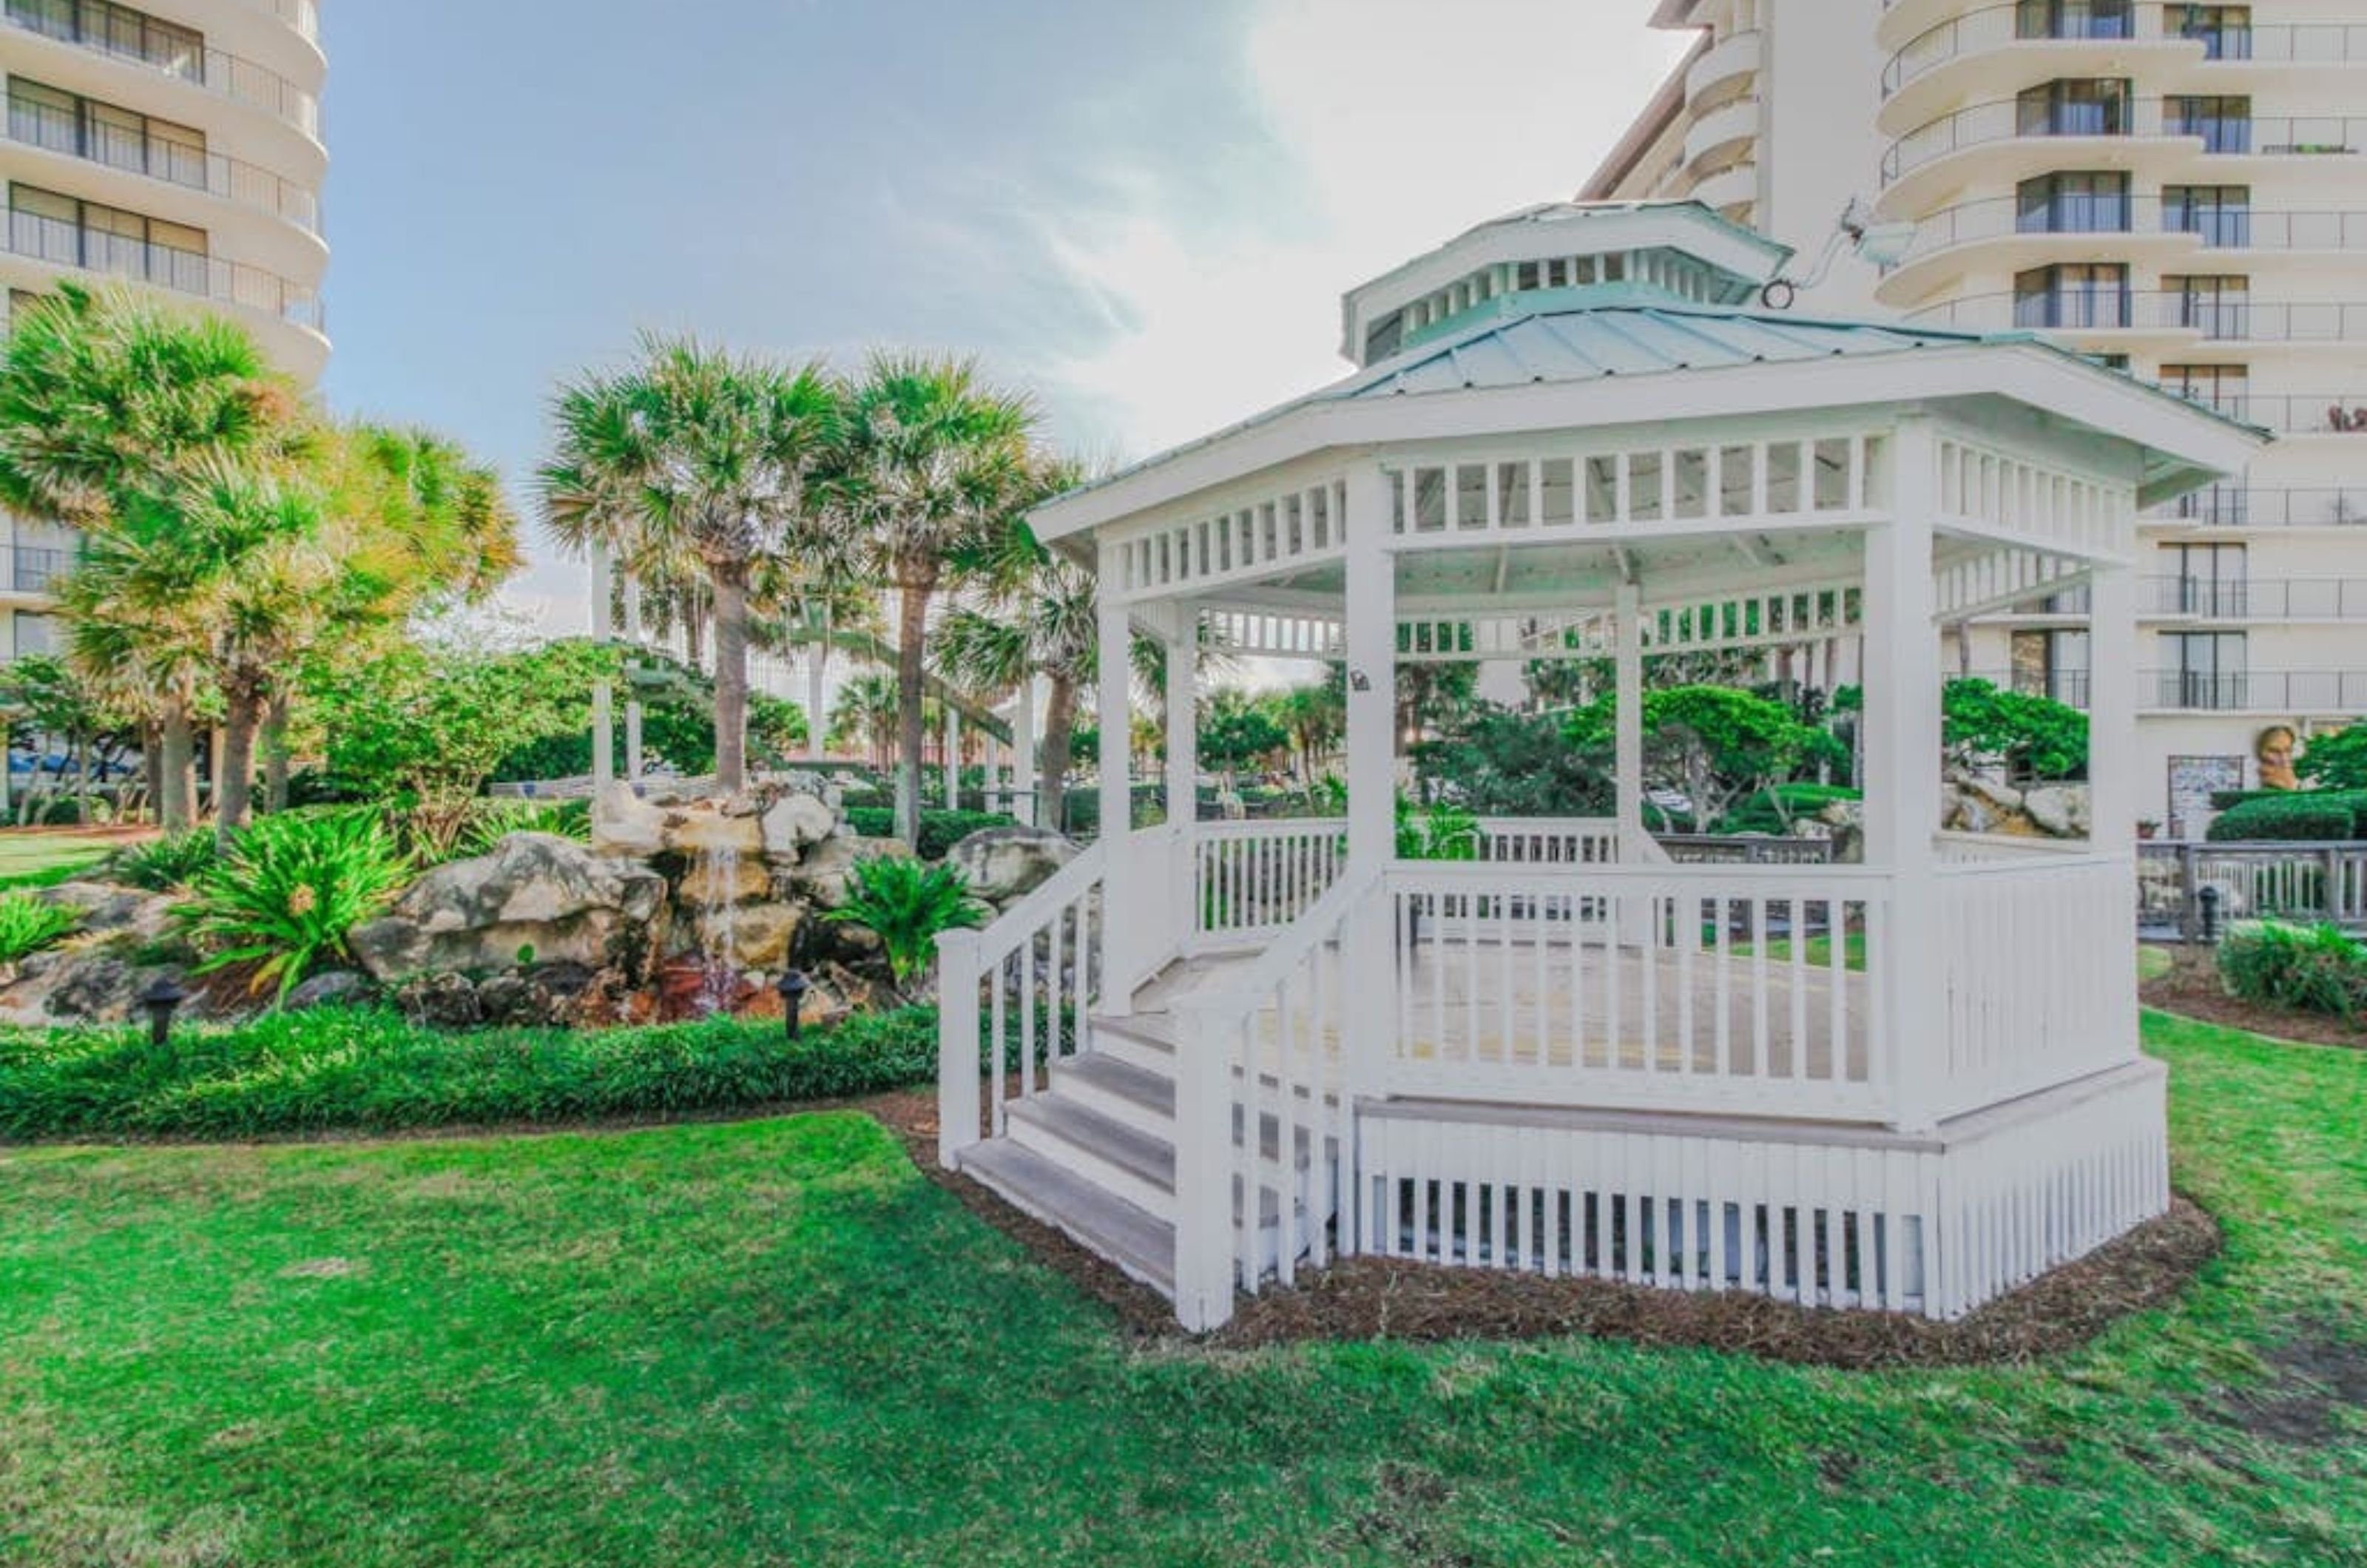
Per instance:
(176,143)
(2180,188)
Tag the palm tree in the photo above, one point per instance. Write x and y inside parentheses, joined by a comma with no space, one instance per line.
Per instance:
(865,715)
(700,454)
(1035,619)
(933,466)
(110,401)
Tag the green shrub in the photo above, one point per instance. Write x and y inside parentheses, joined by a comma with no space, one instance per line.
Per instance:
(1767,812)
(370,1070)
(906,904)
(28,924)
(2289,816)
(290,890)
(162,864)
(1443,832)
(940,830)
(2311,968)
(492,820)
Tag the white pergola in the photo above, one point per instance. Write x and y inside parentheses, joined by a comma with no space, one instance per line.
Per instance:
(1574,1056)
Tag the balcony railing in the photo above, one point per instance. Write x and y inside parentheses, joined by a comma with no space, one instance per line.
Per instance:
(2218,228)
(34,569)
(2290,414)
(215,70)
(2252,506)
(2258,599)
(2213,318)
(2003,25)
(304,16)
(2068,687)
(2326,691)
(56,130)
(62,243)
(2010,120)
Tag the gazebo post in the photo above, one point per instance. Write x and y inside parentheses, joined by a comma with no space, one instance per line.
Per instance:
(1370,611)
(1627,723)
(1182,639)
(1121,916)
(1902,770)
(2113,754)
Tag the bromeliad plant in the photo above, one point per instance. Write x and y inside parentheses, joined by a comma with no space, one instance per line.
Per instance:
(290,888)
(162,864)
(906,904)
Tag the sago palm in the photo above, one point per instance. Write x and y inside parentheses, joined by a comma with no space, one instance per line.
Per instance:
(698,452)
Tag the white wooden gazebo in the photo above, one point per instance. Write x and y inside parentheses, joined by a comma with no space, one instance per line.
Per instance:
(1226,1052)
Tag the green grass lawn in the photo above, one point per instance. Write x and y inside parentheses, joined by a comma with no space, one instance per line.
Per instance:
(34,860)
(776,1342)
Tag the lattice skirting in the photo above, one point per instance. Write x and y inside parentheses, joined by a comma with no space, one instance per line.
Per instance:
(1821,1215)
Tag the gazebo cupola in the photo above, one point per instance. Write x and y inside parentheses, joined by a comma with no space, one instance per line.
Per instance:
(1559,256)
(1225,1049)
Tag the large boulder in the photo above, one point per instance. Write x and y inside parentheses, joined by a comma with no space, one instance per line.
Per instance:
(2059,810)
(753,937)
(625,824)
(821,877)
(106,907)
(795,821)
(536,897)
(1004,865)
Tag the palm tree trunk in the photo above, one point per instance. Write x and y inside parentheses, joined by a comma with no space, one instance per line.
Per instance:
(1059,726)
(177,787)
(152,767)
(275,753)
(816,746)
(731,676)
(235,779)
(911,627)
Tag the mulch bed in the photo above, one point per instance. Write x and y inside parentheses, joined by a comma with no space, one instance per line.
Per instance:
(2191,988)
(1372,1298)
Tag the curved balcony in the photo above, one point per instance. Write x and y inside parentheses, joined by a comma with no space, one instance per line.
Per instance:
(304,16)
(56,243)
(2259,506)
(1729,188)
(215,71)
(2135,220)
(2279,44)
(1722,132)
(61,131)
(2009,122)
(2206,317)
(2000,41)
(1726,68)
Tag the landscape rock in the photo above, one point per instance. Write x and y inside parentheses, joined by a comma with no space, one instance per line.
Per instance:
(2057,810)
(821,877)
(2004,798)
(1004,865)
(535,892)
(446,1000)
(625,824)
(706,832)
(756,936)
(795,821)
(335,987)
(714,880)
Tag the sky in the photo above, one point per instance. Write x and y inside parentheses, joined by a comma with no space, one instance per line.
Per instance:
(1142,212)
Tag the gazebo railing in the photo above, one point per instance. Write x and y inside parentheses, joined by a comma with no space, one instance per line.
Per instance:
(1251,880)
(1641,987)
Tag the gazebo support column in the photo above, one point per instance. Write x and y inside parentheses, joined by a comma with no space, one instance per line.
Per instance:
(1183,639)
(1371,614)
(1627,724)
(2113,761)
(1122,915)
(1902,773)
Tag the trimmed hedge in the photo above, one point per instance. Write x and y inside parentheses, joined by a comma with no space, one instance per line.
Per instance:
(2309,815)
(940,830)
(367,1070)
(2310,968)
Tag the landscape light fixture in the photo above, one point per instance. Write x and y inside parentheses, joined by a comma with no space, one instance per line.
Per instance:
(793,986)
(160,999)
(1884,244)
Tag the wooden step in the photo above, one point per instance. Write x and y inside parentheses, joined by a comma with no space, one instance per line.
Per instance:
(1131,1163)
(1145,1040)
(1140,1242)
(1120,1089)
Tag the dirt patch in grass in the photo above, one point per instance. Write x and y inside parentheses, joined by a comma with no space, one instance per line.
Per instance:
(1378,1298)
(2190,987)
(2319,1375)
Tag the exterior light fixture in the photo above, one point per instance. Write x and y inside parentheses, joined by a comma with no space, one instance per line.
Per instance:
(1884,244)
(162,1000)
(2208,896)
(1360,682)
(792,986)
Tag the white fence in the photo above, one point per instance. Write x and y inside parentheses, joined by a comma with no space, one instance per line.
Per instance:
(1252,879)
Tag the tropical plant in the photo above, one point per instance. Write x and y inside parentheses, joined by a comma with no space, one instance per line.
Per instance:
(932,470)
(1502,762)
(162,864)
(906,905)
(2028,736)
(43,697)
(2314,968)
(290,888)
(694,454)
(490,821)
(1240,730)
(2338,760)
(865,715)
(118,413)
(1441,832)
(28,924)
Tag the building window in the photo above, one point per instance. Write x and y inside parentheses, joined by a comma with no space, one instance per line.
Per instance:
(117,29)
(2222,215)
(2205,580)
(2224,388)
(2074,203)
(59,229)
(2224,31)
(34,634)
(2216,307)
(2203,670)
(2074,19)
(2052,663)
(2074,294)
(60,122)
(2224,123)
(2074,109)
